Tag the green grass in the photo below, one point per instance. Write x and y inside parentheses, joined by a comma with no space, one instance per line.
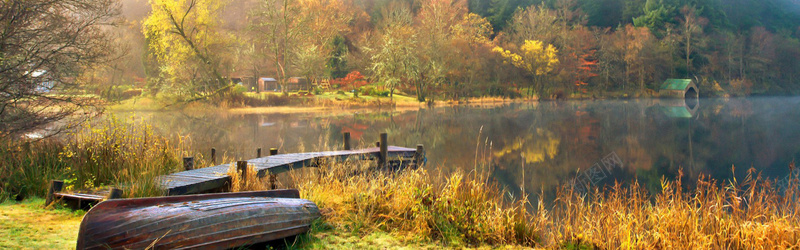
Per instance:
(27,225)
(139,103)
(325,236)
(333,95)
(327,98)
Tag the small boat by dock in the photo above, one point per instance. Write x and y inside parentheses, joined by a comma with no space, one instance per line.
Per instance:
(208,221)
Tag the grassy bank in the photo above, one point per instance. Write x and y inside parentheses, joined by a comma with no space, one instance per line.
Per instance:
(468,210)
(417,209)
(27,225)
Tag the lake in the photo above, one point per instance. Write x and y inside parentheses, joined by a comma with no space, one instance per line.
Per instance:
(538,145)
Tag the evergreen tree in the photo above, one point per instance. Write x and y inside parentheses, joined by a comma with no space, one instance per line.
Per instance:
(337,63)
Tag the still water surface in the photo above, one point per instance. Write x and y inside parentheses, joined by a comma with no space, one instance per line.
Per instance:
(538,145)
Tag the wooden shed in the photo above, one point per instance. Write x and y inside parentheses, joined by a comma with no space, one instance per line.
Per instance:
(268,84)
(678,88)
(296,83)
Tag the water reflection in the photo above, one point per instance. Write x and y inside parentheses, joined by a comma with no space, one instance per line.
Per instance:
(537,145)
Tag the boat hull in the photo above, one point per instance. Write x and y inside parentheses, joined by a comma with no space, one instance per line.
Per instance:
(211,221)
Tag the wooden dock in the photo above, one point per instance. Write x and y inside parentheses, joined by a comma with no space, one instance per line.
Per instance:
(216,179)
(213,178)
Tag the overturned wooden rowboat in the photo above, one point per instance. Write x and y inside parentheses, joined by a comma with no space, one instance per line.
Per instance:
(209,221)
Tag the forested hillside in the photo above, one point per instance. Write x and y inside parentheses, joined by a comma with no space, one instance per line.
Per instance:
(450,49)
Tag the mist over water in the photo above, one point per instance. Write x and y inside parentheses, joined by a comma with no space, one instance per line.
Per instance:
(538,145)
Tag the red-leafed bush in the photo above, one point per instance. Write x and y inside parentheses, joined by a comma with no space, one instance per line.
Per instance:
(353,81)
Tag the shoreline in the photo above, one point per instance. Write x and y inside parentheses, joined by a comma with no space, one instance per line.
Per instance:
(321,105)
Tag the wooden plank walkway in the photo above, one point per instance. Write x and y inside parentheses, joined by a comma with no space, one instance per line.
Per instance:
(216,177)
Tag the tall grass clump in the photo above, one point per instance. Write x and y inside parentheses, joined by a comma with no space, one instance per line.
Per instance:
(247,182)
(25,167)
(748,215)
(127,154)
(457,210)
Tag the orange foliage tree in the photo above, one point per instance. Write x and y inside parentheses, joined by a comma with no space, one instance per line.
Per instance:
(354,80)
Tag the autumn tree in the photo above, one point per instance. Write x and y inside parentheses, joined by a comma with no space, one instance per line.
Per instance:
(186,38)
(321,22)
(45,47)
(394,60)
(634,42)
(691,31)
(534,57)
(578,61)
(534,23)
(469,68)
(435,27)
(277,32)
(758,57)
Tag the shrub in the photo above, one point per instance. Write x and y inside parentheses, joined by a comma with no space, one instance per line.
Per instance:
(239,89)
(740,87)
(128,94)
(369,90)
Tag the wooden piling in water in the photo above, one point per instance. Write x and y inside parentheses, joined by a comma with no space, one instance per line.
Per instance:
(384,150)
(214,156)
(55,186)
(241,166)
(258,153)
(188,163)
(273,151)
(419,156)
(346,140)
(273,181)
(114,193)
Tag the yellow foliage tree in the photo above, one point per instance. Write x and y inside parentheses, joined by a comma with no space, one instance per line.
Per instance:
(534,57)
(186,39)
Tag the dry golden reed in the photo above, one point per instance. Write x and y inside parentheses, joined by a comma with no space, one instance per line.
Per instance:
(248,182)
(126,153)
(748,215)
(465,209)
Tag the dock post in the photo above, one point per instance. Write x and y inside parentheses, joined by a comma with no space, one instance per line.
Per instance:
(114,193)
(384,150)
(55,186)
(273,181)
(346,140)
(419,156)
(273,151)
(242,167)
(214,156)
(188,162)
(258,153)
